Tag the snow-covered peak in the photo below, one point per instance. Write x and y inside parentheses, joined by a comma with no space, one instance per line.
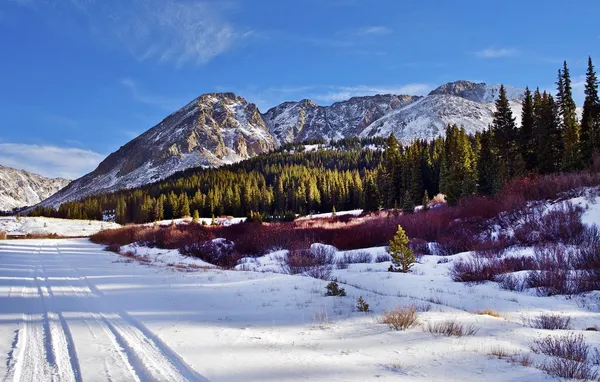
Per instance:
(478,92)
(19,188)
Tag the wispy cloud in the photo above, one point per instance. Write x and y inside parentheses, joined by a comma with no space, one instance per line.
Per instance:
(179,32)
(143,96)
(374,30)
(50,161)
(494,52)
(344,92)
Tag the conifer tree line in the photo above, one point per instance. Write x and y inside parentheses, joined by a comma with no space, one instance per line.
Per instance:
(374,173)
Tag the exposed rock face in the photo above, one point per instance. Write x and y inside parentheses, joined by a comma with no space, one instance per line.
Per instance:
(478,92)
(222,128)
(298,121)
(19,188)
(212,130)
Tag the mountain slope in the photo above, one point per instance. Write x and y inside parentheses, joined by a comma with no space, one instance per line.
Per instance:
(19,188)
(212,130)
(222,128)
(428,118)
(299,121)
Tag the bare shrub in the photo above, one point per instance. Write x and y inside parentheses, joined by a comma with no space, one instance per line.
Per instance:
(298,262)
(322,272)
(450,328)
(498,352)
(219,252)
(400,318)
(474,269)
(512,282)
(382,258)
(361,257)
(562,224)
(116,248)
(552,274)
(2,235)
(569,369)
(323,254)
(548,321)
(569,346)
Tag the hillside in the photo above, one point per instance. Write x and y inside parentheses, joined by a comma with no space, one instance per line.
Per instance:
(222,128)
(19,188)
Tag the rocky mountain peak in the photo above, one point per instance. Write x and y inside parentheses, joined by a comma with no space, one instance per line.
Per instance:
(477,92)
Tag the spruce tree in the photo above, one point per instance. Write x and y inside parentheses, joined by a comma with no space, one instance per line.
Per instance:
(196,217)
(408,206)
(425,202)
(391,172)
(402,257)
(372,201)
(571,159)
(590,119)
(458,174)
(527,142)
(488,174)
(505,137)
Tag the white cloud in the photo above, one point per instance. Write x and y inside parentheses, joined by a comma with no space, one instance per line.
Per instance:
(178,32)
(493,52)
(50,161)
(374,30)
(344,92)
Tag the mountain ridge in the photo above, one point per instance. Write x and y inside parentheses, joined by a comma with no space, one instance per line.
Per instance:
(221,128)
(20,188)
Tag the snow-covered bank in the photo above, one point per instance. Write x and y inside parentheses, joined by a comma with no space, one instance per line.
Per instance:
(45,226)
(112,318)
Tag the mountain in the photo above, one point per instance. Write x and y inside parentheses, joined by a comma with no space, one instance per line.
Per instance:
(212,130)
(428,117)
(221,128)
(19,188)
(478,92)
(299,121)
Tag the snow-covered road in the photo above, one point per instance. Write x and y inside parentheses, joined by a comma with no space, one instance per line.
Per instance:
(65,328)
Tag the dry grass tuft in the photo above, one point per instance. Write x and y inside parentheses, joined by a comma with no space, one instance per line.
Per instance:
(451,328)
(400,318)
(488,312)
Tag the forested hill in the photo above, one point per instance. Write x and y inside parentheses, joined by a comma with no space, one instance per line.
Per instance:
(373,173)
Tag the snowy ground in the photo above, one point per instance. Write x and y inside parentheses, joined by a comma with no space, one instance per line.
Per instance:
(71,311)
(45,226)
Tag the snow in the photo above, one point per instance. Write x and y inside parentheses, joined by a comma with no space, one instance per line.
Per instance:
(330,214)
(46,226)
(72,311)
(77,312)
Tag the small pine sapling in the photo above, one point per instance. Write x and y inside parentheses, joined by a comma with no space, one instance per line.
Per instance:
(196,217)
(426,201)
(402,257)
(361,305)
(333,289)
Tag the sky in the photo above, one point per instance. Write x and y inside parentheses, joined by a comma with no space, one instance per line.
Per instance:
(80,78)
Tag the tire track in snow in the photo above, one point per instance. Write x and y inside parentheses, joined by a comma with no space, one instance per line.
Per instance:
(61,336)
(149,357)
(30,359)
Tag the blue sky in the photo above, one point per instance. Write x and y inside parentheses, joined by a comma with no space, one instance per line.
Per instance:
(80,78)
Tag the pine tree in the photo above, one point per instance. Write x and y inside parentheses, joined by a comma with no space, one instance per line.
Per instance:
(590,119)
(527,142)
(402,257)
(458,174)
(548,133)
(505,137)
(571,159)
(425,202)
(392,177)
(408,206)
(488,174)
(196,217)
(372,201)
